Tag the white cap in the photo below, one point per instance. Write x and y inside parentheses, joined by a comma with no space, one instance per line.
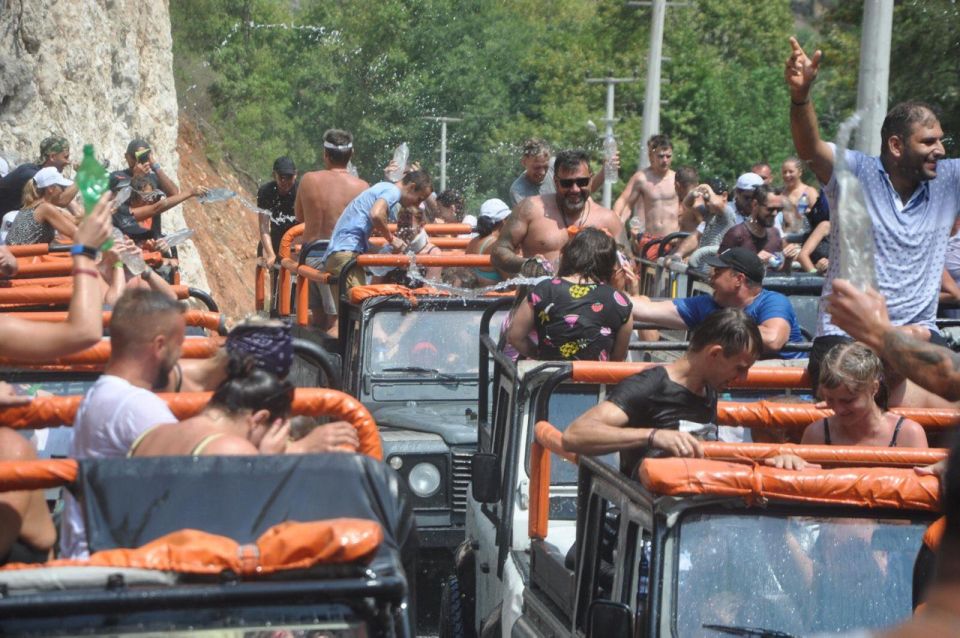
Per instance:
(495,209)
(50,176)
(4,167)
(748,181)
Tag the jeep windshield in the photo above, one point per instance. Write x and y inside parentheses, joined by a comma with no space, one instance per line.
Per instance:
(793,574)
(431,343)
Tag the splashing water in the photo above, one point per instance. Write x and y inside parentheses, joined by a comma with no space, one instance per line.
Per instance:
(413,272)
(854,227)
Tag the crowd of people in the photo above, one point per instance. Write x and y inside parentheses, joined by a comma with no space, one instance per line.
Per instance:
(872,349)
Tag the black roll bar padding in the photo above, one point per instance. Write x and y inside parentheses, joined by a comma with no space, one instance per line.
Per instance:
(342,314)
(665,241)
(316,354)
(488,348)
(667,346)
(59,248)
(309,247)
(222,325)
(542,407)
(204,297)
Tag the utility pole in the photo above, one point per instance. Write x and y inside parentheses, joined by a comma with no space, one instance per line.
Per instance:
(651,100)
(874,73)
(443,145)
(611,82)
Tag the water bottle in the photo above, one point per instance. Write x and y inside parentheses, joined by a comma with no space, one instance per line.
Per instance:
(132,259)
(92,179)
(400,157)
(803,204)
(177,238)
(610,172)
(775,261)
(352,170)
(216,195)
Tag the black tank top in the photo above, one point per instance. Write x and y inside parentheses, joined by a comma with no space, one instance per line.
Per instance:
(893,441)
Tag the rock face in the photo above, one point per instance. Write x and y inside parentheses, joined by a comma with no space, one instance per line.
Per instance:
(97,71)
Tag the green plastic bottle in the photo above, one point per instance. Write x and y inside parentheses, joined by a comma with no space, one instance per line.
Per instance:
(92,179)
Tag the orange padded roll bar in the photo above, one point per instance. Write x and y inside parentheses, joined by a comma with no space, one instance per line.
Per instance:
(285,546)
(547,439)
(897,488)
(763,414)
(193,348)
(44,268)
(36,475)
(283,283)
(45,282)
(30,250)
(259,288)
(52,411)
(759,377)
(851,455)
(58,295)
(402,261)
(441,229)
(207,320)
(444,243)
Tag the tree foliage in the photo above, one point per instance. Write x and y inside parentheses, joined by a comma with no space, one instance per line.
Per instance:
(273,76)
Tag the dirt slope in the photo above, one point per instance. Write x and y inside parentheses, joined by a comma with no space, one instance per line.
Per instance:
(226,231)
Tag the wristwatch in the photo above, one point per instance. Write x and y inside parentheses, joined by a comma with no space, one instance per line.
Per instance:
(155,166)
(86,251)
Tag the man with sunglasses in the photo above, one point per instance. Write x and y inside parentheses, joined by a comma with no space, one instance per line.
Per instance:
(141,162)
(911,193)
(539,226)
(277,196)
(757,232)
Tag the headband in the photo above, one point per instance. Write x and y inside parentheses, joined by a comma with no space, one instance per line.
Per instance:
(334,147)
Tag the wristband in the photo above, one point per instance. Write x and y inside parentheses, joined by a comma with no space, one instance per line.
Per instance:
(155,166)
(118,265)
(806,101)
(86,251)
(85,271)
(650,438)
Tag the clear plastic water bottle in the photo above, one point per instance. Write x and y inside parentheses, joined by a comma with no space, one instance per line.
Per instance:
(775,261)
(803,204)
(610,173)
(177,238)
(400,157)
(132,259)
(352,170)
(216,195)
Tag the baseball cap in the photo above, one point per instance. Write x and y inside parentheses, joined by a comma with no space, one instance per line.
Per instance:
(50,176)
(748,181)
(136,143)
(53,144)
(739,259)
(284,166)
(495,209)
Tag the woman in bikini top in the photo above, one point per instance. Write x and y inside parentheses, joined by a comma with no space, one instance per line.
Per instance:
(247,414)
(851,384)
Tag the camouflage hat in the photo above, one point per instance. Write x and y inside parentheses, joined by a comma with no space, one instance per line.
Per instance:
(53,144)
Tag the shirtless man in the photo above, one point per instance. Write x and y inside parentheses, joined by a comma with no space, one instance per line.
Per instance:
(324,194)
(537,228)
(651,197)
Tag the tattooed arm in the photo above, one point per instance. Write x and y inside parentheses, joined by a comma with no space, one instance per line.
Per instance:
(504,254)
(863,315)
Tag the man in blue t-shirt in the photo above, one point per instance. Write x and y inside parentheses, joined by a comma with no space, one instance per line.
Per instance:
(370,211)
(737,279)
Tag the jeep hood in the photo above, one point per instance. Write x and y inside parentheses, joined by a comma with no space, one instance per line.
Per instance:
(447,420)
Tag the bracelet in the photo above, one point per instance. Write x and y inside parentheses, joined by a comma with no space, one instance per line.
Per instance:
(650,438)
(86,251)
(806,101)
(118,265)
(85,271)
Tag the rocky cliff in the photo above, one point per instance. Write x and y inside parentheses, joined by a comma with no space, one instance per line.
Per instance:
(97,71)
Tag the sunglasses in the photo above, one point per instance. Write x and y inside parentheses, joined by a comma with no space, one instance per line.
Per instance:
(568,182)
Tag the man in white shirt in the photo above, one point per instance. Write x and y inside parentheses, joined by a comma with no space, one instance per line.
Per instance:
(146,334)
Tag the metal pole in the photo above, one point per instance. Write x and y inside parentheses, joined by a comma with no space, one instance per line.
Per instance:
(651,101)
(874,73)
(443,144)
(443,155)
(609,120)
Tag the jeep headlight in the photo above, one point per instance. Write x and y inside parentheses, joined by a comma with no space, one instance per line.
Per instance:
(424,479)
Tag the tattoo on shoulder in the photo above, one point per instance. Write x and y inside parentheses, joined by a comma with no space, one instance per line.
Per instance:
(906,353)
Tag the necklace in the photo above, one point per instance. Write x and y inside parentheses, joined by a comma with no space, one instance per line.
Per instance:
(581,219)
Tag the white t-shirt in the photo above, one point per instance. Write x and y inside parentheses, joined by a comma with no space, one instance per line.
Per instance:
(110,418)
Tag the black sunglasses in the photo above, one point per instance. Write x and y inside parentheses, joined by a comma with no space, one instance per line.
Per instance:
(568,182)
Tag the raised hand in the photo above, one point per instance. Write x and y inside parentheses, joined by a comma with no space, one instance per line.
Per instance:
(801,71)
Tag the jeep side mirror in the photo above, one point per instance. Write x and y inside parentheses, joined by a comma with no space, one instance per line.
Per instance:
(485,478)
(607,618)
